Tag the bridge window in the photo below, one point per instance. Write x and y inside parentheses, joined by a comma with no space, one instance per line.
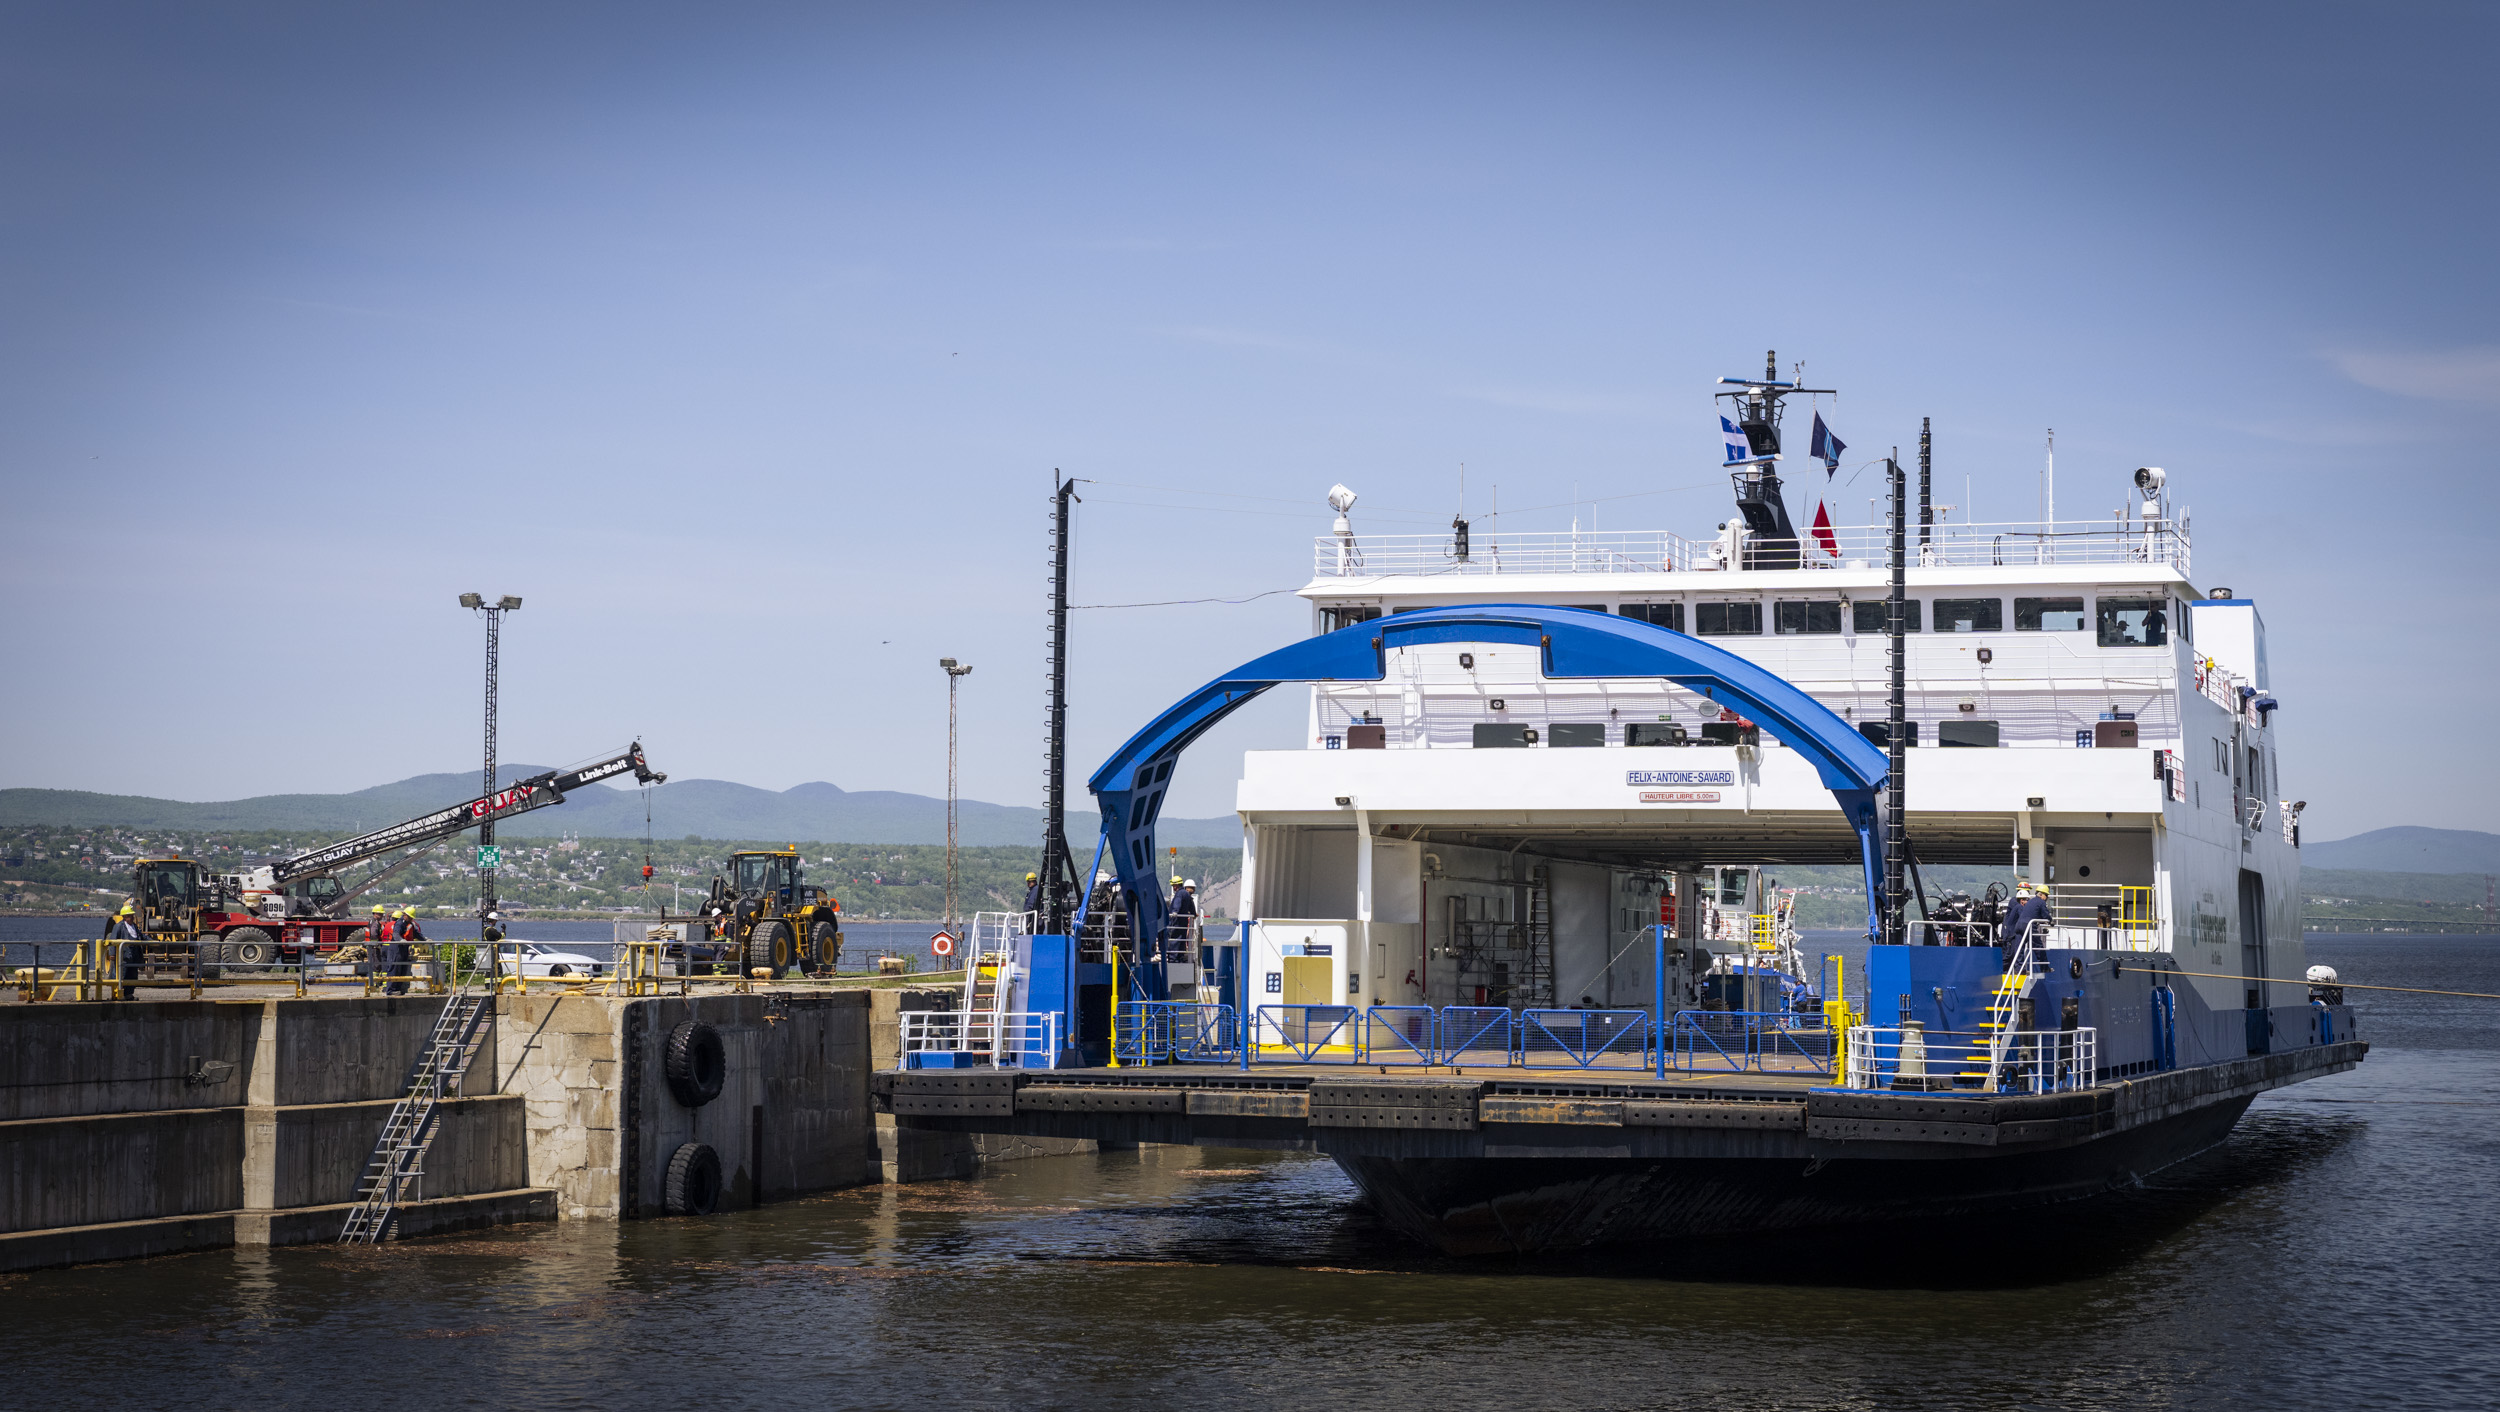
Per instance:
(1346,616)
(1664,615)
(1813,619)
(1728,619)
(1877,616)
(1970,615)
(2134,622)
(2048,615)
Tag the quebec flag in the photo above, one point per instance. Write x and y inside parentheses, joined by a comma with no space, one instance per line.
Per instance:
(1738,449)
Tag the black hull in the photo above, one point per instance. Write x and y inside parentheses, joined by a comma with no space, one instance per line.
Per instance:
(1509,1205)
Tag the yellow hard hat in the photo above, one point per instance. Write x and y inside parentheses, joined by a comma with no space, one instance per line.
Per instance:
(124,912)
(378,910)
(1032,877)
(1176,880)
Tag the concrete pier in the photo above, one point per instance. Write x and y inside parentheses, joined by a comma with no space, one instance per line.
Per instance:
(148,1127)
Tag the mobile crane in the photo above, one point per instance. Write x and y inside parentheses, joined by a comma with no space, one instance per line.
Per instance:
(189,917)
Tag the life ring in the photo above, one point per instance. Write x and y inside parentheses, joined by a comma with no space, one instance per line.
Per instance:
(942,945)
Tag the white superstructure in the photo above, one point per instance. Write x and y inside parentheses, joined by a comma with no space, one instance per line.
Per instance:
(1468,832)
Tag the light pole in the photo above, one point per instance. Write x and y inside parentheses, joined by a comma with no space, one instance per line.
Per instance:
(955,674)
(489,858)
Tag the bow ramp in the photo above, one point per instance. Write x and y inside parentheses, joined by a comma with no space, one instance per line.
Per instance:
(1571,643)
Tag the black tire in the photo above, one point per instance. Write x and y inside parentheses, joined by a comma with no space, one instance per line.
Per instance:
(692,1187)
(695,1064)
(768,946)
(204,958)
(559,969)
(250,946)
(358,937)
(824,948)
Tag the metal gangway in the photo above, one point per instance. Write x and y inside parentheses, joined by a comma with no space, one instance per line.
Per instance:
(398,1160)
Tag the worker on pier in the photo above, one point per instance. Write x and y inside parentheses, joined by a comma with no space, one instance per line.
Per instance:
(490,936)
(401,949)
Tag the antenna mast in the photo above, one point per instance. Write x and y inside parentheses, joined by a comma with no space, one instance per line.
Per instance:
(1758,495)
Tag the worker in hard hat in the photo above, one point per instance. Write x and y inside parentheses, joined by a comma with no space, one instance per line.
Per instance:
(401,950)
(1032,899)
(377,941)
(2029,906)
(1179,926)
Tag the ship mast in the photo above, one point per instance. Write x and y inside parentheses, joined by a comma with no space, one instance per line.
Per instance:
(1757,407)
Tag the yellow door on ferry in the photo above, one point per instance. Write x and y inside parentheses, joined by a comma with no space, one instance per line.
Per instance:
(1310,980)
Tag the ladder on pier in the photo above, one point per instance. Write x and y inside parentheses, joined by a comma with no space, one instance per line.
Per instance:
(398,1159)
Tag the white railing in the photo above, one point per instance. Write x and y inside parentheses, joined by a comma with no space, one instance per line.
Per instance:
(1948,546)
(1002,1038)
(2027,1061)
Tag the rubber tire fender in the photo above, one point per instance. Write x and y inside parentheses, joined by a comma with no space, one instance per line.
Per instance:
(695,1063)
(692,1187)
(768,946)
(250,946)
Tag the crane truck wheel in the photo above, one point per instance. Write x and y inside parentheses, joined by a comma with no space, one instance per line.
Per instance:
(693,1184)
(768,946)
(694,1063)
(824,947)
(250,946)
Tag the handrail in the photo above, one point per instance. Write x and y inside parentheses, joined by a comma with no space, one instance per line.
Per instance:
(2024,1061)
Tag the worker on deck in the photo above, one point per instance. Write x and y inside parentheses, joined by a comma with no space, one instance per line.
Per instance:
(1032,902)
(489,935)
(1176,925)
(2028,907)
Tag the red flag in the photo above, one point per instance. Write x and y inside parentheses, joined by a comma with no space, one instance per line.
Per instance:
(1823,530)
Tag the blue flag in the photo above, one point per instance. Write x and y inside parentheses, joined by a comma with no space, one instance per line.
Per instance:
(1827,447)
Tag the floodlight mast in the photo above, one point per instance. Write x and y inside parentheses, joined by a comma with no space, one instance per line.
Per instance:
(476,602)
(1758,411)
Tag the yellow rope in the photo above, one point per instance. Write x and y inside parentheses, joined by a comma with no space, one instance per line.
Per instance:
(2345,985)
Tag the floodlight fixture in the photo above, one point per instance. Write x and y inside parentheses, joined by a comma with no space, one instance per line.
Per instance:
(472,600)
(508,603)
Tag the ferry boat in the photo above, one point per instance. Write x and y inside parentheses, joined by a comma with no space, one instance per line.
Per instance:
(1513,932)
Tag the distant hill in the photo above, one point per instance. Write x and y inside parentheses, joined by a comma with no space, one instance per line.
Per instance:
(2408,850)
(714,809)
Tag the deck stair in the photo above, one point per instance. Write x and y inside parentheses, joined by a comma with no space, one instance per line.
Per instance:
(2005,1007)
(397,1165)
(989,979)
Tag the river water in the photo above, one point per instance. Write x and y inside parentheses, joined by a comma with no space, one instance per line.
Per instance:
(2342,1250)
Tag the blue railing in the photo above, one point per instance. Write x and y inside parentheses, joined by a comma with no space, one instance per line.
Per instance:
(1174,1032)
(1185,1032)
(1312,1034)
(1477,1034)
(1585,1038)
(1400,1034)
(1757,1040)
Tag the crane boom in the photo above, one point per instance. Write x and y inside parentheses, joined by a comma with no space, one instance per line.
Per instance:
(536,792)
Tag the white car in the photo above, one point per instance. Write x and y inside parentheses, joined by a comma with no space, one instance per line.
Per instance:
(540,960)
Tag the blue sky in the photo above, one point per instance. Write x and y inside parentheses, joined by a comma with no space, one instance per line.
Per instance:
(742,341)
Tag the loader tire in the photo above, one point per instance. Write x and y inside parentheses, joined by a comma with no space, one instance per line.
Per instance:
(695,1064)
(250,946)
(768,947)
(824,948)
(692,1187)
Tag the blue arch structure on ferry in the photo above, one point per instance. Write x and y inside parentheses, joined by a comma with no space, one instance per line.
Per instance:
(1573,642)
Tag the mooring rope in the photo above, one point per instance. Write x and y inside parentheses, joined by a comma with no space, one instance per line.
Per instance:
(2341,985)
